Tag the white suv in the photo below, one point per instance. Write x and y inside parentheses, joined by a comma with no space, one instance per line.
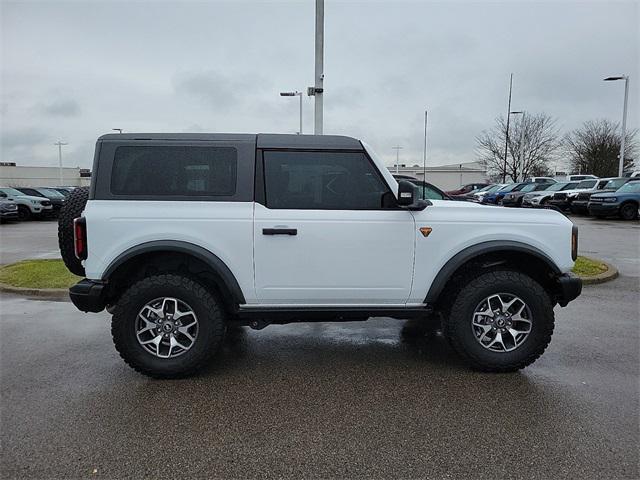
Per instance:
(185,234)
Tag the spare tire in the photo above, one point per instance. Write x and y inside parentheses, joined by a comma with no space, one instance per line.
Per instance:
(73,206)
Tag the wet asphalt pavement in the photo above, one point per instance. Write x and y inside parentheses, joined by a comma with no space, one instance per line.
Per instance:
(349,400)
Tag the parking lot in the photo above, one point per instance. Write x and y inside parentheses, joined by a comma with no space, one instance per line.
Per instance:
(366,399)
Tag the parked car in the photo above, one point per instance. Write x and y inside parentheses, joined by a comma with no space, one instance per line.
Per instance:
(514,199)
(481,194)
(632,174)
(468,188)
(426,190)
(624,202)
(28,206)
(307,227)
(580,200)
(497,197)
(56,198)
(562,200)
(8,210)
(540,180)
(540,199)
(63,190)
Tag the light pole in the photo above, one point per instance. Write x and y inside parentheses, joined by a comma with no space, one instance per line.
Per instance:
(624,118)
(397,148)
(424,153)
(518,162)
(506,140)
(318,89)
(60,144)
(294,94)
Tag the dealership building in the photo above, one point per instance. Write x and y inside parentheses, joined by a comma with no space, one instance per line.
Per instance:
(12,175)
(445,177)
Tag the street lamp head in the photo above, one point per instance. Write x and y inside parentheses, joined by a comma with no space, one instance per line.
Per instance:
(516,113)
(620,77)
(288,94)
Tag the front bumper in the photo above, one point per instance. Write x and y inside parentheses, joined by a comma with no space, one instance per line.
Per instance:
(88,295)
(562,204)
(570,287)
(580,206)
(9,215)
(603,209)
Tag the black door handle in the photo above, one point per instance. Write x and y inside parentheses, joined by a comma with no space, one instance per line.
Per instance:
(279,231)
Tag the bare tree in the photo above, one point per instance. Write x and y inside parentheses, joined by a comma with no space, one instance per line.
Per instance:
(533,143)
(595,148)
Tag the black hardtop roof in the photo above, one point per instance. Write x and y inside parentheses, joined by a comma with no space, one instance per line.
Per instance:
(262,140)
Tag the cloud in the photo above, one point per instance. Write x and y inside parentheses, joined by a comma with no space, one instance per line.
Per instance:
(61,107)
(24,137)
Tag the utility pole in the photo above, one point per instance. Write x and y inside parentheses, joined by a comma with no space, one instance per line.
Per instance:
(317,90)
(397,148)
(506,141)
(60,144)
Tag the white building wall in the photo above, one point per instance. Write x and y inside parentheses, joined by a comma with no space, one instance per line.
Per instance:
(21,176)
(446,177)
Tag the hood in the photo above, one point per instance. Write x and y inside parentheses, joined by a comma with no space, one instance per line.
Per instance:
(29,197)
(610,193)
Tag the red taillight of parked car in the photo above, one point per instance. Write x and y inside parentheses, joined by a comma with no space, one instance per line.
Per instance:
(80,237)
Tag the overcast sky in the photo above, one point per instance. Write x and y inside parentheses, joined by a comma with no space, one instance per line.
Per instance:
(75,70)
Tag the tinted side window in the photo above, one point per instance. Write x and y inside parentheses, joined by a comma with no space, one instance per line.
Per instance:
(174,171)
(322,180)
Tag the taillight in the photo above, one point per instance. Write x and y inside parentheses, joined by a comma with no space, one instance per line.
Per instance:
(574,243)
(80,237)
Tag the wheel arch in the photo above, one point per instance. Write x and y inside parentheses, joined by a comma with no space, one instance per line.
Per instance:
(175,255)
(521,256)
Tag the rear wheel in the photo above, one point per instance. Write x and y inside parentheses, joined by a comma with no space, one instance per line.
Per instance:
(628,211)
(501,321)
(167,326)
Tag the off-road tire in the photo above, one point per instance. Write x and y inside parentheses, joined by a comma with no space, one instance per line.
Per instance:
(73,206)
(628,211)
(211,324)
(23,213)
(458,317)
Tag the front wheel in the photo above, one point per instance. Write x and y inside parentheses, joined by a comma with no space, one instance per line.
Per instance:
(501,321)
(167,326)
(628,211)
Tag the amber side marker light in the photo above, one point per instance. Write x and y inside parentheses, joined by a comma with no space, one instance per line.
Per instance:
(425,231)
(574,243)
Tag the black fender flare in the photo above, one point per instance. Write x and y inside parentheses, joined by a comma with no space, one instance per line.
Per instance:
(462,257)
(218,266)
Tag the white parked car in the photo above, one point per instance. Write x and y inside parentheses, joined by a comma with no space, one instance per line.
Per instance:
(28,206)
(182,235)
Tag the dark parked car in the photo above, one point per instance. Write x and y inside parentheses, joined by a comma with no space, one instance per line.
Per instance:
(8,210)
(468,188)
(56,198)
(623,202)
(426,190)
(562,200)
(514,199)
(580,203)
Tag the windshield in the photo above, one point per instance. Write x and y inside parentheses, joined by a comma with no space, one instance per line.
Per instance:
(586,184)
(484,189)
(508,188)
(426,191)
(12,191)
(529,188)
(556,187)
(615,184)
(51,192)
(631,187)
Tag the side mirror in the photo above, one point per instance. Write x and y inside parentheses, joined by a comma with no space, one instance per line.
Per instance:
(406,193)
(407,197)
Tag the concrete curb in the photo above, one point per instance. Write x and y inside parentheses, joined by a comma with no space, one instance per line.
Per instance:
(44,293)
(603,277)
